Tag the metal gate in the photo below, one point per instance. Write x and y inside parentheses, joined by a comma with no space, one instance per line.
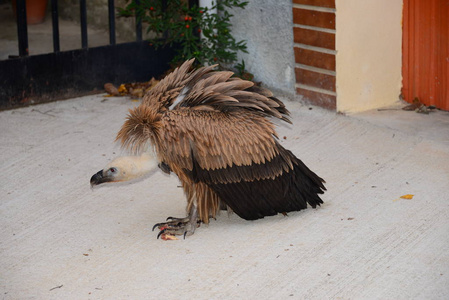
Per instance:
(26,79)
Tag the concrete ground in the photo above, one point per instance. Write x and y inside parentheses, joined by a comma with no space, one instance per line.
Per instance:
(61,240)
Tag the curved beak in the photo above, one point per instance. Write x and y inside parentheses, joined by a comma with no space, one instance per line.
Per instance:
(98,178)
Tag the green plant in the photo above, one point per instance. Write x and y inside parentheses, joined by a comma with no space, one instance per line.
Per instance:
(174,22)
(241,71)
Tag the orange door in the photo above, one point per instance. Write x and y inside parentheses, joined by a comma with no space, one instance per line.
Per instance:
(425,59)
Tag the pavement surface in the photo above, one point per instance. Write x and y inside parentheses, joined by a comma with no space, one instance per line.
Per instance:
(59,239)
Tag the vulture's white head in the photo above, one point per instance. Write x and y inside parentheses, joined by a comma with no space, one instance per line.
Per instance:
(125,168)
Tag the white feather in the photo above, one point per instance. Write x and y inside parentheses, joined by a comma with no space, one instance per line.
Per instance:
(180,97)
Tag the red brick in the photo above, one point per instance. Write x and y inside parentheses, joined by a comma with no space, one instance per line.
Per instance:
(315,59)
(319,80)
(314,18)
(320,3)
(314,38)
(318,99)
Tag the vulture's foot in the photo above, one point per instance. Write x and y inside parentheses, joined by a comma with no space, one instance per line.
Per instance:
(178,226)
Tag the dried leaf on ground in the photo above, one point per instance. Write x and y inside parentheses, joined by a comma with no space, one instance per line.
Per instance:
(135,89)
(122,89)
(111,89)
(407,197)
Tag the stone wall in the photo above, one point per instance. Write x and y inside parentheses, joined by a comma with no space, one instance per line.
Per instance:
(267,27)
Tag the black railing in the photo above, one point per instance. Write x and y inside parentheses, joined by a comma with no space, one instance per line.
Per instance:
(29,79)
(111,17)
(23,33)
(55,25)
(83,21)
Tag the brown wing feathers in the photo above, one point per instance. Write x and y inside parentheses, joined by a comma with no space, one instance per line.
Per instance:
(212,130)
(218,90)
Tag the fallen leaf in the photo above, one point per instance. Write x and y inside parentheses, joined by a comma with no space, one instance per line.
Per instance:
(111,89)
(408,197)
(122,89)
(416,104)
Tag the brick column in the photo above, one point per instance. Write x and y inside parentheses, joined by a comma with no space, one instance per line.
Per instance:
(314,46)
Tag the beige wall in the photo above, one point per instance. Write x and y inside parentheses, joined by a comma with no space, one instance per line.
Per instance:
(369,51)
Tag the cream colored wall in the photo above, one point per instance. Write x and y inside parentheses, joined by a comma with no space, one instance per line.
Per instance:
(369,51)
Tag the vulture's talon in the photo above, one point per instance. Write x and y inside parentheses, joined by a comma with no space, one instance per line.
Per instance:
(178,226)
(160,233)
(159,225)
(166,236)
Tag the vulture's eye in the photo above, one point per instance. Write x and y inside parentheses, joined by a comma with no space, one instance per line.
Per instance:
(113,170)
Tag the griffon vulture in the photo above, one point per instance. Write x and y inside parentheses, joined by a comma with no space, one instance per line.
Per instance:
(214,132)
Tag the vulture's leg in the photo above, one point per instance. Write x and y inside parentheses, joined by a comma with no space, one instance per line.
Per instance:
(179,226)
